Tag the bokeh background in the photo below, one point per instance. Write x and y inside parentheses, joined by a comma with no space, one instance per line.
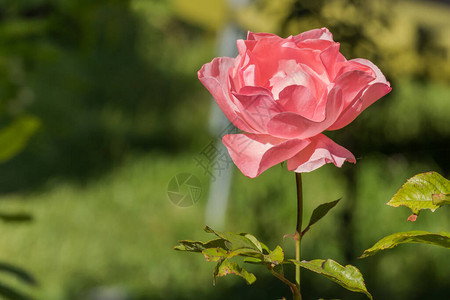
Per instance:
(100,107)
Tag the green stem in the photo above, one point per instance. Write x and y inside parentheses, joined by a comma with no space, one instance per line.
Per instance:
(298,230)
(292,286)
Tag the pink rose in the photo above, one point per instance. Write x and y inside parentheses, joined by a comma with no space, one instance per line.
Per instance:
(283,93)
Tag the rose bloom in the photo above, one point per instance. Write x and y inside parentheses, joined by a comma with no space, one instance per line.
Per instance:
(283,93)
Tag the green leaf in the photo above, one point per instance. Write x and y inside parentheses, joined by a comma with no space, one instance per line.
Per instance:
(319,212)
(215,254)
(235,241)
(225,267)
(441,199)
(197,246)
(15,136)
(348,277)
(275,257)
(423,191)
(439,239)
(253,260)
(255,241)
(229,245)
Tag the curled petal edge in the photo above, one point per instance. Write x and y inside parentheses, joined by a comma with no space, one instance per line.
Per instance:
(255,153)
(320,151)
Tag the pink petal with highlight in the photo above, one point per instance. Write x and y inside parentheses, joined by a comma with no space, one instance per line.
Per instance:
(214,76)
(255,153)
(257,107)
(298,99)
(372,94)
(320,151)
(292,125)
(353,84)
(321,34)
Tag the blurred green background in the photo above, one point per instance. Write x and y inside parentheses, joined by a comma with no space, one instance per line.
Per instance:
(100,106)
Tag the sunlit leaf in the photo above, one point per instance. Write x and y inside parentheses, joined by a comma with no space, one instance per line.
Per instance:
(215,254)
(348,277)
(423,191)
(439,239)
(229,245)
(234,241)
(276,256)
(441,199)
(197,246)
(255,241)
(225,267)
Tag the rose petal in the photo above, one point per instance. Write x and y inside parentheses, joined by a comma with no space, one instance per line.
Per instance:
(352,65)
(257,107)
(376,89)
(254,153)
(293,73)
(298,99)
(214,76)
(372,94)
(353,84)
(292,125)
(320,151)
(265,55)
(322,34)
(257,36)
(332,60)
(379,76)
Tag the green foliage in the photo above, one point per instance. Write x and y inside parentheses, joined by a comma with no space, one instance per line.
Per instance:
(14,137)
(319,212)
(230,245)
(225,267)
(75,244)
(423,191)
(246,245)
(439,239)
(22,276)
(348,277)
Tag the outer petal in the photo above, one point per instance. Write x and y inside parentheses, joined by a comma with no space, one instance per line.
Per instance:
(376,89)
(292,125)
(320,151)
(379,76)
(214,76)
(257,36)
(254,153)
(332,60)
(372,94)
(322,34)
(352,84)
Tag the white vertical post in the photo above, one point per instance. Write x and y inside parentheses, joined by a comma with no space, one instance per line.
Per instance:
(219,190)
